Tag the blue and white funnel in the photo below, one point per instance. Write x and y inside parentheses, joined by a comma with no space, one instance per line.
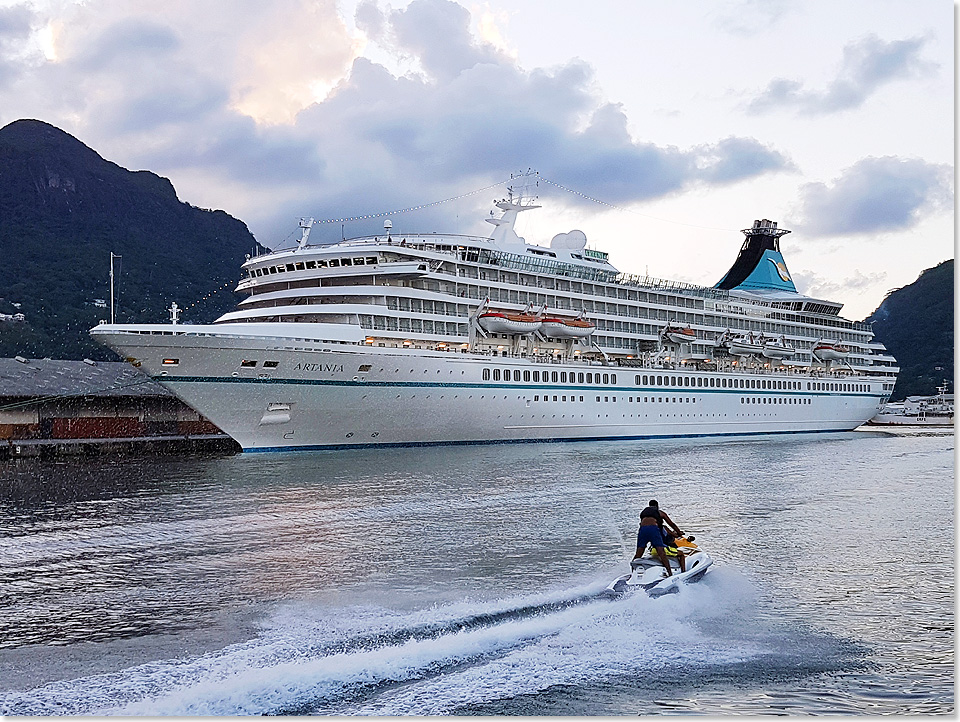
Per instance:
(759,266)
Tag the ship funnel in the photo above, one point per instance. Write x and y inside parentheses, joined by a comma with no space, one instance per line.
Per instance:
(760,266)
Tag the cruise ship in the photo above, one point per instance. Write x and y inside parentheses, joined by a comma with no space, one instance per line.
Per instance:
(425,338)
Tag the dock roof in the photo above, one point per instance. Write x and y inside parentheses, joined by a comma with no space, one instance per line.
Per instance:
(29,378)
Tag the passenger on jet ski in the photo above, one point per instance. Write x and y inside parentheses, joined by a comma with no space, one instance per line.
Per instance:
(651,532)
(674,544)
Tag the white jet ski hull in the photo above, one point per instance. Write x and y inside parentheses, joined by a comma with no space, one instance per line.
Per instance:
(649,575)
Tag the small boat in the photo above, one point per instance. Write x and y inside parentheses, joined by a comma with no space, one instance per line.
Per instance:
(778,348)
(676,334)
(567,328)
(830,351)
(743,344)
(648,574)
(918,411)
(511,323)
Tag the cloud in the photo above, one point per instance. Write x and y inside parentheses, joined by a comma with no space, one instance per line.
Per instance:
(15,23)
(875,194)
(268,111)
(130,41)
(733,159)
(749,17)
(867,65)
(16,26)
(812,284)
(474,113)
(436,32)
(284,72)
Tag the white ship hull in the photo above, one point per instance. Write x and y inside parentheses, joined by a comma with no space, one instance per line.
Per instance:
(330,395)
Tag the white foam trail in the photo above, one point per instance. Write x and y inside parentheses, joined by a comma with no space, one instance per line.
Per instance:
(291,666)
(636,636)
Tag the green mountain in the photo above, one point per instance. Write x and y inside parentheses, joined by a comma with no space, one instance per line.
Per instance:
(916,324)
(64,209)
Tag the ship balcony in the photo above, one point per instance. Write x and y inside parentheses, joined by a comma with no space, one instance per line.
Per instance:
(325,313)
(404,270)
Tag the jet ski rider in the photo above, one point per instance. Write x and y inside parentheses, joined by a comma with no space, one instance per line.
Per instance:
(651,532)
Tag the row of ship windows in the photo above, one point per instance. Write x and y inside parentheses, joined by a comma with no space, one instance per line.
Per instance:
(659,380)
(547,377)
(773,384)
(308,265)
(682,400)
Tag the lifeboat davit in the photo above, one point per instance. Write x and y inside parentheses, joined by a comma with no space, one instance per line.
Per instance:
(679,335)
(778,348)
(512,323)
(831,351)
(566,328)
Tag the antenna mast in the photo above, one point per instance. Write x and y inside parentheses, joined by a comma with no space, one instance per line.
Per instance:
(112,315)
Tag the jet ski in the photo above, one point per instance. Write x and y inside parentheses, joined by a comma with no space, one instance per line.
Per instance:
(647,572)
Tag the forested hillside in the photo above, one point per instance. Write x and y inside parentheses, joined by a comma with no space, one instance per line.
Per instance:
(63,209)
(916,323)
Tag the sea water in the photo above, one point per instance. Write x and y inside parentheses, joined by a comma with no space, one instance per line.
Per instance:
(469,580)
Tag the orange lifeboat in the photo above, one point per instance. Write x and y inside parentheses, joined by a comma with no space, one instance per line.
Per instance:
(676,334)
(567,328)
(831,351)
(510,323)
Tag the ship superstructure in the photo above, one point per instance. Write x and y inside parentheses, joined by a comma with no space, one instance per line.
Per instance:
(407,338)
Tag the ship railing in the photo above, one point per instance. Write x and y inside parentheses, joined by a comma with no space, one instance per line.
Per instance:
(690,289)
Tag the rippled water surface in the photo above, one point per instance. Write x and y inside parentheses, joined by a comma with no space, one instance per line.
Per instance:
(467,581)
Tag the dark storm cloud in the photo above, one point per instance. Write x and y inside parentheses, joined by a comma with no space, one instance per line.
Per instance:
(875,195)
(867,65)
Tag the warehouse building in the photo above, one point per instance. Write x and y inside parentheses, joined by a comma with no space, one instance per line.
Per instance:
(52,407)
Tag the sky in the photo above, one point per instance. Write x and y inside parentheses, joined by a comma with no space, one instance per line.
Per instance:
(659,129)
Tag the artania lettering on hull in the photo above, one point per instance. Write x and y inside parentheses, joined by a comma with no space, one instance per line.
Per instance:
(407,338)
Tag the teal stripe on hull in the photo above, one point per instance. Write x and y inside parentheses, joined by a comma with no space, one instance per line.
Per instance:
(407,444)
(512,387)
